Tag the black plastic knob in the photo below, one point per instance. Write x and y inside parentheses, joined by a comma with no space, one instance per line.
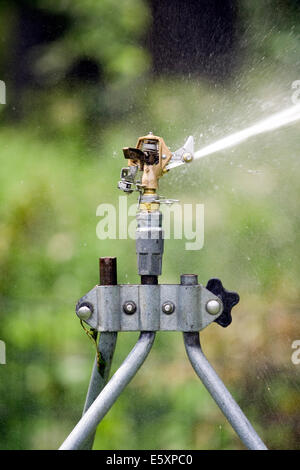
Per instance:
(229,300)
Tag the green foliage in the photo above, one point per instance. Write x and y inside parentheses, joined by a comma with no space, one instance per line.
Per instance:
(106,30)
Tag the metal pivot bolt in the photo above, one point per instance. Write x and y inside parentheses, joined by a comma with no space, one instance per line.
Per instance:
(213,307)
(129,307)
(84,312)
(168,308)
(187,157)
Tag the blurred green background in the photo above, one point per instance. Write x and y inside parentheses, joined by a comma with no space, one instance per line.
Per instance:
(85,78)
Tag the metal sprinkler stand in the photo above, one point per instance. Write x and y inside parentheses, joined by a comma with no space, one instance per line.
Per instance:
(149,307)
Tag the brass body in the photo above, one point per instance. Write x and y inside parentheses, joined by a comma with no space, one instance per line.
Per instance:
(152,173)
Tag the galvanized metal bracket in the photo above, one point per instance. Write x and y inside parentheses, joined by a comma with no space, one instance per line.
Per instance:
(164,307)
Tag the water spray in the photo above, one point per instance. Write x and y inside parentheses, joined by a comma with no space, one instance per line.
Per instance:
(275,121)
(188,307)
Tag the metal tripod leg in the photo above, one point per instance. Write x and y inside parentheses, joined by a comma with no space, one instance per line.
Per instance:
(220,394)
(106,347)
(110,393)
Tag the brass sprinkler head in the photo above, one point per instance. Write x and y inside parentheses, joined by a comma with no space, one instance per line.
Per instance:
(153,159)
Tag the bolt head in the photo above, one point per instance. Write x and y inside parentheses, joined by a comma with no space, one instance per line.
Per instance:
(213,307)
(84,312)
(187,157)
(168,308)
(129,307)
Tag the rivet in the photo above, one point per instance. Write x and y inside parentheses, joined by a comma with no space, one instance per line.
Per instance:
(129,307)
(213,307)
(84,312)
(168,307)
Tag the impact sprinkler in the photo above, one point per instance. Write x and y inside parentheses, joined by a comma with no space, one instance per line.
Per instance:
(149,307)
(147,162)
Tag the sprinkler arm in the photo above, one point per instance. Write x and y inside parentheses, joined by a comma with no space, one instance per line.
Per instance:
(183,155)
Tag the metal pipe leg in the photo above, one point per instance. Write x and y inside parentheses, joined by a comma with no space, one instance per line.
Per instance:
(110,393)
(220,394)
(106,347)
